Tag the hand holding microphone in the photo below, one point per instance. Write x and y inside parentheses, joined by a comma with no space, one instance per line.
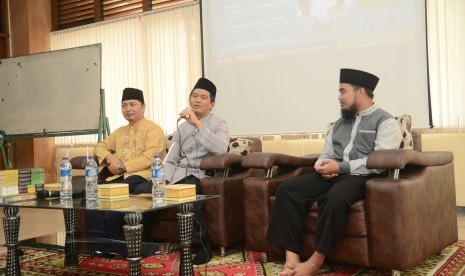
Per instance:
(185,114)
(189,115)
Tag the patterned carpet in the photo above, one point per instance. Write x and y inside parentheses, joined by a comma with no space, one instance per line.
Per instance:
(237,263)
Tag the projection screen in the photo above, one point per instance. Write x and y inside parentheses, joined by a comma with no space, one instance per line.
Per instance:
(276,62)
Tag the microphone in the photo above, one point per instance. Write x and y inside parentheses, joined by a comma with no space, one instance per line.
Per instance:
(45,194)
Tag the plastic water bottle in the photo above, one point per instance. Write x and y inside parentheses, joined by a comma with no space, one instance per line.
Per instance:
(158,182)
(91,179)
(66,190)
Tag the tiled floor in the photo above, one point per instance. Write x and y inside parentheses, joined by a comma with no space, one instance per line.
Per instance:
(39,222)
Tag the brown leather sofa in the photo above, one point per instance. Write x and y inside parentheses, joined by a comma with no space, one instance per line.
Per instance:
(406,217)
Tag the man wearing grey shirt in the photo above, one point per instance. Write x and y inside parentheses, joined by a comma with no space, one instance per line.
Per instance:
(340,174)
(200,135)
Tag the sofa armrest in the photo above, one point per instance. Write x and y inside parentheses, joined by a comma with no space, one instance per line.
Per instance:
(411,218)
(399,158)
(265,160)
(221,161)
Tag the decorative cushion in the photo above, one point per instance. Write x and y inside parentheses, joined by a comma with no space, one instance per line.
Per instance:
(169,142)
(405,122)
(239,146)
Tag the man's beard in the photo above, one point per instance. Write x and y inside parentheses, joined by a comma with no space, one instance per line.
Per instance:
(349,113)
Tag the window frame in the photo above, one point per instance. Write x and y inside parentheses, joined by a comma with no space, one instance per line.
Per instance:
(73,13)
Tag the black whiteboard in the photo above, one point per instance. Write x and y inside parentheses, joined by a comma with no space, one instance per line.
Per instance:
(51,93)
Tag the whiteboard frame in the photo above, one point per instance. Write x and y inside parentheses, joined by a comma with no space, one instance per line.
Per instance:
(55,93)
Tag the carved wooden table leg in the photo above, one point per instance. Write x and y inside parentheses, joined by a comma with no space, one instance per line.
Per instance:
(71,247)
(11,231)
(186,223)
(133,236)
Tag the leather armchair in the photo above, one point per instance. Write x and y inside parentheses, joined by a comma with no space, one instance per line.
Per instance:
(258,191)
(406,217)
(224,216)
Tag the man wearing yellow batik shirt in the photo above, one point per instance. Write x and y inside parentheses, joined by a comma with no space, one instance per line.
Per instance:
(128,152)
(126,157)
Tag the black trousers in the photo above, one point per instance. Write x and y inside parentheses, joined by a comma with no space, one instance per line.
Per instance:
(109,225)
(199,234)
(294,200)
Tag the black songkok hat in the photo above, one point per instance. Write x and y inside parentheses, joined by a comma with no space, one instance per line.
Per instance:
(358,77)
(132,94)
(206,84)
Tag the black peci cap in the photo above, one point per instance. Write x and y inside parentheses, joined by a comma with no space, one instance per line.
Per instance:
(358,77)
(132,94)
(206,84)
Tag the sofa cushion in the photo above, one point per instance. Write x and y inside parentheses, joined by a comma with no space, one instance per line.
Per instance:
(169,142)
(405,122)
(240,146)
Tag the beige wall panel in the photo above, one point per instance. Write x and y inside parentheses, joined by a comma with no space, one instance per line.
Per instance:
(454,142)
(314,146)
(296,147)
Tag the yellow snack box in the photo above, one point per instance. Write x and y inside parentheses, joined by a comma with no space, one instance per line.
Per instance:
(110,190)
(179,191)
